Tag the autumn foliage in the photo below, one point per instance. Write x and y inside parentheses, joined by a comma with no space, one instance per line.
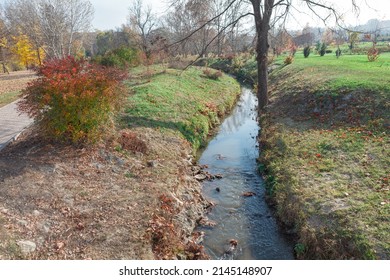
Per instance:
(373,54)
(73,99)
(25,52)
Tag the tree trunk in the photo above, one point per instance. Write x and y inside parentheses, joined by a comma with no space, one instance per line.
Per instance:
(2,59)
(262,22)
(39,56)
(262,69)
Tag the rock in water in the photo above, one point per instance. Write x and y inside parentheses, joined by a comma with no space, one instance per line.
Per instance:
(248,194)
(200,177)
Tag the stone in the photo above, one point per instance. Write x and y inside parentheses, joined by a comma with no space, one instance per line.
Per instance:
(45,227)
(27,246)
(200,177)
(152,163)
(249,194)
(22,222)
(36,213)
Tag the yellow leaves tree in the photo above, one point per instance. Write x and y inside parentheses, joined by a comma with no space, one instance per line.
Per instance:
(25,52)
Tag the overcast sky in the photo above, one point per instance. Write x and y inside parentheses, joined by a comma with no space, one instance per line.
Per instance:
(110,14)
(113,13)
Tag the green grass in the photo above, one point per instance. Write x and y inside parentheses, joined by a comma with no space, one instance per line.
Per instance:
(326,152)
(186,102)
(8,97)
(348,72)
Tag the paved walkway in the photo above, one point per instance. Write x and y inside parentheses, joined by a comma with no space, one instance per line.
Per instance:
(11,123)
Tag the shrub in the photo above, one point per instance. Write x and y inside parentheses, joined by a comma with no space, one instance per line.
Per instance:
(338,52)
(72,100)
(121,57)
(214,75)
(323,49)
(318,47)
(178,64)
(373,54)
(307,51)
(289,59)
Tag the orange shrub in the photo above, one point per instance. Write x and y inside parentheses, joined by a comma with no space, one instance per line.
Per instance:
(73,99)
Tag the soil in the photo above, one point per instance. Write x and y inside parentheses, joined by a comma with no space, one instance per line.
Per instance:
(15,81)
(113,200)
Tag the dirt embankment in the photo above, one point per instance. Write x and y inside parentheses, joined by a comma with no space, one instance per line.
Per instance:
(131,198)
(325,156)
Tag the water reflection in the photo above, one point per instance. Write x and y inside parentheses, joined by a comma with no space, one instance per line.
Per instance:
(246,219)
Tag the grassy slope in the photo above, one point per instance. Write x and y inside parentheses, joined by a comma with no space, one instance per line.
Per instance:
(187,102)
(326,150)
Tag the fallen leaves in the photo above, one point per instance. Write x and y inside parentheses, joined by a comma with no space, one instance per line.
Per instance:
(249,194)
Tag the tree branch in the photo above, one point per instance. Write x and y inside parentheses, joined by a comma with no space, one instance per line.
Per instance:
(203,25)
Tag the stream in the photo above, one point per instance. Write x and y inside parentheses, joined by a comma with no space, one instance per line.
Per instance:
(247,220)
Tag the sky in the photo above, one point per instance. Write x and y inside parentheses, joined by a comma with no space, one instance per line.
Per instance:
(113,13)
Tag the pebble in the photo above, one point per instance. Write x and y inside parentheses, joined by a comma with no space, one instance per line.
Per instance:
(22,222)
(152,163)
(27,246)
(45,227)
(200,177)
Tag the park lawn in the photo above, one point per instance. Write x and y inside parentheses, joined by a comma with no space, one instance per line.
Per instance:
(326,154)
(185,102)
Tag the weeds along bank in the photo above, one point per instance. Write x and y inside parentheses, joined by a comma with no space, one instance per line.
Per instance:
(325,154)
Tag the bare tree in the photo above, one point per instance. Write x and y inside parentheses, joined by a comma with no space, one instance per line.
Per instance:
(306,38)
(280,40)
(52,25)
(143,21)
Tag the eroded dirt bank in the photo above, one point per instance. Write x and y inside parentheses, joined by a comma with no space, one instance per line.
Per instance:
(132,198)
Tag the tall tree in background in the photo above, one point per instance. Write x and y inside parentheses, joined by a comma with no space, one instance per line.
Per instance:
(24,51)
(3,42)
(143,22)
(51,25)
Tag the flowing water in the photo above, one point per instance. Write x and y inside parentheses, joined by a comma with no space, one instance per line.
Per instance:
(248,220)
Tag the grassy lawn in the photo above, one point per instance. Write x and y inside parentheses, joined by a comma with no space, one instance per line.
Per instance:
(348,72)
(326,154)
(187,102)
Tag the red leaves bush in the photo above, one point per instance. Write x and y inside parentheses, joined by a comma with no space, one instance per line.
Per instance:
(73,99)
(373,54)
